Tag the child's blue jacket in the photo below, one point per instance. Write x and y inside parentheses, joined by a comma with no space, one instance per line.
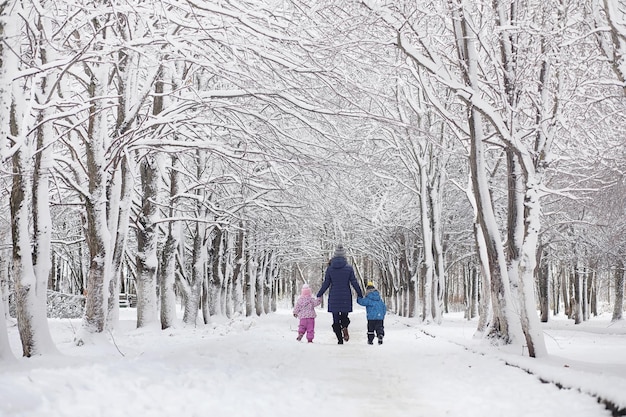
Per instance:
(374,305)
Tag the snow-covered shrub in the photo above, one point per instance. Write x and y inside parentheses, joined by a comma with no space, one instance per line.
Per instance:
(65,306)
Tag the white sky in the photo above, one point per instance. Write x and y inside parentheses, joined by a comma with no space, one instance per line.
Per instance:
(255,367)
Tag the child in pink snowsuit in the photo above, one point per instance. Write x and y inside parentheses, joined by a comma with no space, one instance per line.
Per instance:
(305,311)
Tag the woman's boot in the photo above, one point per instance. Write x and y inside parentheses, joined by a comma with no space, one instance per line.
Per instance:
(345,321)
(337,330)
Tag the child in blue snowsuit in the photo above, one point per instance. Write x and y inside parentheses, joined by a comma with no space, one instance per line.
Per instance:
(376,309)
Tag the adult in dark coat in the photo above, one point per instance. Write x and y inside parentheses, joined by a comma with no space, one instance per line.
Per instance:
(339,277)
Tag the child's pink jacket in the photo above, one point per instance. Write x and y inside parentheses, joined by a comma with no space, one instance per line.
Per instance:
(305,307)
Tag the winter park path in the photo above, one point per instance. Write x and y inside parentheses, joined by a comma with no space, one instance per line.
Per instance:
(255,367)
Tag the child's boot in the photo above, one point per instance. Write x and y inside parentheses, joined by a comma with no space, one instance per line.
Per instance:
(299,338)
(370,338)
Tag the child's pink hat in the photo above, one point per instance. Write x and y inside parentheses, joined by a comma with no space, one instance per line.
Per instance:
(306,291)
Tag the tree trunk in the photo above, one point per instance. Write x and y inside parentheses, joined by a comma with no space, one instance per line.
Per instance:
(193,287)
(543,279)
(485,306)
(122,189)
(413,297)
(467,289)
(6,354)
(271,287)
(577,308)
(97,234)
(167,277)
(31,255)
(593,293)
(119,227)
(565,286)
(555,285)
(22,272)
(470,291)
(428,274)
(250,280)
(618,306)
(147,241)
(204,301)
(259,289)
(42,226)
(406,276)
(439,278)
(238,275)
(216,274)
(475,293)
(503,325)
(5,100)
(5,347)
(585,280)
(7,27)
(167,268)
(226,269)
(4,287)
(293,287)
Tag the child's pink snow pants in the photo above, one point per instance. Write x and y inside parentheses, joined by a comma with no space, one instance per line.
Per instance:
(307,326)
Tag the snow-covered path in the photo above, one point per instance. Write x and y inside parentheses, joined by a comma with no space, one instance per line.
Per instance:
(255,367)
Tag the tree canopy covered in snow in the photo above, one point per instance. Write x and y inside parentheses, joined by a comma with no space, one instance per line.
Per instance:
(469,156)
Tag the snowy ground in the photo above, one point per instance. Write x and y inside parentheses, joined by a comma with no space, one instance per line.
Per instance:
(255,367)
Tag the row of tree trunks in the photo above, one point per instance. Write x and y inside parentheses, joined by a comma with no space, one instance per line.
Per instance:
(495,113)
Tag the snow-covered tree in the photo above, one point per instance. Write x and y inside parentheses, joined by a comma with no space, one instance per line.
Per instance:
(496,49)
(220,158)
(167,263)
(32,102)
(608,19)
(5,103)
(147,237)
